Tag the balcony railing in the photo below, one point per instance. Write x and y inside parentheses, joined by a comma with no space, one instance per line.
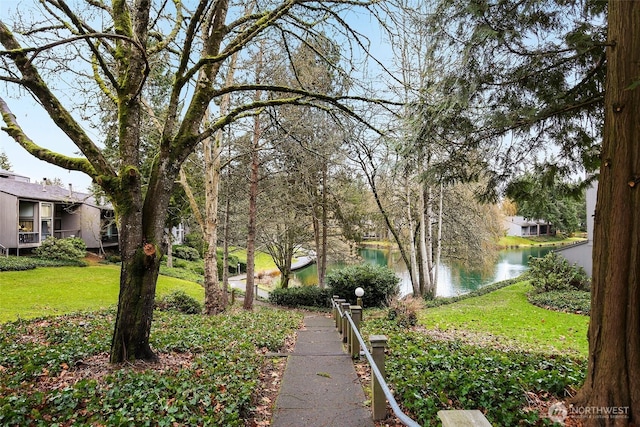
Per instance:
(110,239)
(63,234)
(28,237)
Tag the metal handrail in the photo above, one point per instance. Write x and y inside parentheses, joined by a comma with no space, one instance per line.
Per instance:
(5,250)
(404,418)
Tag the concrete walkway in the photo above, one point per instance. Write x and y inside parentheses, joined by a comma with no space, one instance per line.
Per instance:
(320,387)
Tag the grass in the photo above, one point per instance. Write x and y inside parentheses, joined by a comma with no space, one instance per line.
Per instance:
(517,241)
(61,290)
(507,315)
(263,260)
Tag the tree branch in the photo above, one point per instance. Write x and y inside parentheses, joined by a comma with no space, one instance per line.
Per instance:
(63,119)
(14,130)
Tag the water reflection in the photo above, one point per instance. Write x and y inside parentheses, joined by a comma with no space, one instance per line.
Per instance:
(453,279)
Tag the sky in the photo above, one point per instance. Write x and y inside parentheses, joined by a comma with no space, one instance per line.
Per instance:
(39,128)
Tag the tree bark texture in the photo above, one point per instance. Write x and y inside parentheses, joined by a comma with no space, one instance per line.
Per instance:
(322,261)
(253,214)
(415,279)
(215,297)
(613,376)
(138,278)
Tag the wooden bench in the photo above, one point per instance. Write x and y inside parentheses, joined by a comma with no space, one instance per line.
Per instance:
(466,418)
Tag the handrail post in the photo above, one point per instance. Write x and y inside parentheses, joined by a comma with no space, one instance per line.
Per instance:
(334,298)
(356,315)
(345,323)
(378,400)
(339,302)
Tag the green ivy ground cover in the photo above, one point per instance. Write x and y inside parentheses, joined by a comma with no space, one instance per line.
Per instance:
(51,374)
(429,374)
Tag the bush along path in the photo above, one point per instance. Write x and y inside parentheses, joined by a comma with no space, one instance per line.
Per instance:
(212,370)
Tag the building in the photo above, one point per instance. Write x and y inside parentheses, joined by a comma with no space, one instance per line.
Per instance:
(29,213)
(521,227)
(582,253)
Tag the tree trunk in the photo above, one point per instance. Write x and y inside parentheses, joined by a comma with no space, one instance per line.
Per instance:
(141,239)
(431,290)
(413,270)
(215,297)
(225,249)
(315,222)
(439,241)
(322,262)
(285,271)
(253,213)
(169,250)
(613,375)
(425,243)
(138,278)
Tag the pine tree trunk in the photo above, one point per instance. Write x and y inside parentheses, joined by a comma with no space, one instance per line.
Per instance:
(613,376)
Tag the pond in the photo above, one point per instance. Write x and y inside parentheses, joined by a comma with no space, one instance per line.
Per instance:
(453,279)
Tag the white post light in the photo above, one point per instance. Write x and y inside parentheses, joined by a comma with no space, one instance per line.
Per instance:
(359,294)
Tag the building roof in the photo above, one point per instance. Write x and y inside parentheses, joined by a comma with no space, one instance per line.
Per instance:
(20,186)
(522,221)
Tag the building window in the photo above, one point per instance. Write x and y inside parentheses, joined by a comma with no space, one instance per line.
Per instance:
(46,220)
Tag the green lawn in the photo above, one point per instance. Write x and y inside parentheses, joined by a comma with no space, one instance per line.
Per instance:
(517,241)
(507,315)
(263,260)
(61,290)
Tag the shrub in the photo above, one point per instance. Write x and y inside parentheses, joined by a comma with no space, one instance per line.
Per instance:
(380,284)
(116,259)
(179,263)
(13,263)
(196,241)
(179,301)
(554,273)
(185,252)
(405,311)
(182,273)
(71,248)
(570,301)
(305,296)
(21,263)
